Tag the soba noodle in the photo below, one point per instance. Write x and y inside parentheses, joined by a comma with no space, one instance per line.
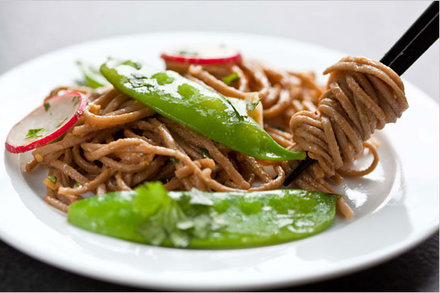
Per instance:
(120,143)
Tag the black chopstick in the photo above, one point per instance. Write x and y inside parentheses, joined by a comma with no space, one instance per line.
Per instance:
(416,40)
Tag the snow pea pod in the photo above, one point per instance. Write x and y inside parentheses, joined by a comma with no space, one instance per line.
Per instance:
(224,120)
(196,219)
(92,76)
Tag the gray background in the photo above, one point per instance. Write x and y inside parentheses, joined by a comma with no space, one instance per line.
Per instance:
(366,28)
(32,28)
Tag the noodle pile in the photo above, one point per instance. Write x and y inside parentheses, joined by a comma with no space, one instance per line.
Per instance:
(119,143)
(363,95)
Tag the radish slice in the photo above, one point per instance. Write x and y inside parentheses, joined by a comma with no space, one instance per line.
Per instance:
(46,123)
(206,54)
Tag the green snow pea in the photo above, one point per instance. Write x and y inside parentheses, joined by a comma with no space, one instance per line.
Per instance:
(196,219)
(92,77)
(224,120)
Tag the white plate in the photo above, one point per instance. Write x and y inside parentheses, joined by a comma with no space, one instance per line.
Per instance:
(396,206)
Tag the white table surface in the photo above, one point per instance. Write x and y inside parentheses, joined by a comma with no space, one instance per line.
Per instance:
(367,28)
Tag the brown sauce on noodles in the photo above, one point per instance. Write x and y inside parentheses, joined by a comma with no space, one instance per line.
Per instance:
(119,143)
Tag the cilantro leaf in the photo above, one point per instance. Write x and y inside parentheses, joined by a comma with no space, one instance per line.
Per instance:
(231,78)
(179,238)
(198,197)
(165,220)
(135,64)
(61,122)
(188,53)
(75,100)
(202,224)
(151,197)
(205,153)
(234,103)
(174,159)
(188,91)
(252,106)
(155,234)
(163,214)
(163,78)
(36,132)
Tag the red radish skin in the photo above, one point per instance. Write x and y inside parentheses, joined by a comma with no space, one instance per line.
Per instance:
(79,110)
(224,56)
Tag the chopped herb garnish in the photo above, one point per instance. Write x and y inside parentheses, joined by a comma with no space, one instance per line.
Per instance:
(188,91)
(163,215)
(174,159)
(75,100)
(205,153)
(61,122)
(240,116)
(231,77)
(76,185)
(198,197)
(36,132)
(167,221)
(252,106)
(46,106)
(52,179)
(188,53)
(162,78)
(135,64)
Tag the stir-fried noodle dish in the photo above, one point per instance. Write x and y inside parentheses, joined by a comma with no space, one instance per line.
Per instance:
(119,143)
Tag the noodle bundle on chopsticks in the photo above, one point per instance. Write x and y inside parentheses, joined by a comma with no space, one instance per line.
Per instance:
(119,143)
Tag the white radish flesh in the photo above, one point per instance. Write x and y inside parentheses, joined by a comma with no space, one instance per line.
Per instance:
(46,123)
(202,54)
